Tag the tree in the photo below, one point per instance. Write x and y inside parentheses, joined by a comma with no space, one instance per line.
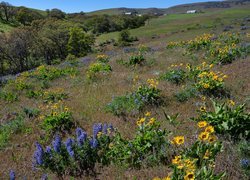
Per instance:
(56,13)
(124,38)
(6,10)
(79,43)
(25,16)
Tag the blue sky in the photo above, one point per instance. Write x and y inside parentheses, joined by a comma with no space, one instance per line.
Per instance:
(91,5)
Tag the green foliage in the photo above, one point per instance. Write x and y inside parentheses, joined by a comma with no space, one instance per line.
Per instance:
(177,76)
(197,161)
(145,95)
(8,96)
(185,94)
(123,105)
(229,119)
(137,59)
(96,69)
(51,73)
(79,43)
(61,121)
(7,130)
(31,112)
(149,146)
(125,39)
(56,118)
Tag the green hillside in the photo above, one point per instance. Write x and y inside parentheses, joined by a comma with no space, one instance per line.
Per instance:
(183,22)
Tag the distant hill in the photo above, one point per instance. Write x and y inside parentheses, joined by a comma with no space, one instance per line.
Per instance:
(204,6)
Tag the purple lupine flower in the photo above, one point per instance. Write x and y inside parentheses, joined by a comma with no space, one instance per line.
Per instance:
(57,143)
(105,128)
(38,155)
(93,142)
(82,138)
(12,175)
(44,177)
(68,145)
(48,150)
(96,129)
(244,163)
(79,132)
(111,127)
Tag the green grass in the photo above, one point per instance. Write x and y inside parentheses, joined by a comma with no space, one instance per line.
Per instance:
(5,27)
(177,22)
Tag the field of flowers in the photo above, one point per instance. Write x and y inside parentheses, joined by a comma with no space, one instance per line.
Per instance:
(179,111)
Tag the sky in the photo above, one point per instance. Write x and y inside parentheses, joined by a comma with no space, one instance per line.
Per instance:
(92,5)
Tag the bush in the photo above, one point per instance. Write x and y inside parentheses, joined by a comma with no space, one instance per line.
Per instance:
(57,119)
(134,102)
(196,161)
(98,68)
(149,147)
(102,58)
(76,156)
(185,94)
(7,130)
(136,59)
(176,76)
(229,119)
(8,96)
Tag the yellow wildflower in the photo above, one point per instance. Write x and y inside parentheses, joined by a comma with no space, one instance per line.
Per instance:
(209,129)
(148,114)
(204,136)
(189,176)
(176,160)
(202,108)
(202,124)
(206,155)
(231,102)
(178,140)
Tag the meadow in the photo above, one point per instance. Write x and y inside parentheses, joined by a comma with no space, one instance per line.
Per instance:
(173,105)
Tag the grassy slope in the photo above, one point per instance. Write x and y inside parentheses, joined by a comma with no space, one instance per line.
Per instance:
(5,27)
(87,100)
(180,22)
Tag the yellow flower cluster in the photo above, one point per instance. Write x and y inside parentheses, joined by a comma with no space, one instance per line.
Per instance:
(101,56)
(208,132)
(53,109)
(208,79)
(152,83)
(178,140)
(146,121)
(186,164)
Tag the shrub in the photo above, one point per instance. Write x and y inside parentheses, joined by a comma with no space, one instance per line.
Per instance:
(31,112)
(7,130)
(136,59)
(149,147)
(185,94)
(196,161)
(134,102)
(102,58)
(176,76)
(76,156)
(123,105)
(98,68)
(8,96)
(50,73)
(58,118)
(228,119)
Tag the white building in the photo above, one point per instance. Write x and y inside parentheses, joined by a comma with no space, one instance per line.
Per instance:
(191,11)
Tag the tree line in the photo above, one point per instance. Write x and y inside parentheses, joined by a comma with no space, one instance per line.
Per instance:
(44,36)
